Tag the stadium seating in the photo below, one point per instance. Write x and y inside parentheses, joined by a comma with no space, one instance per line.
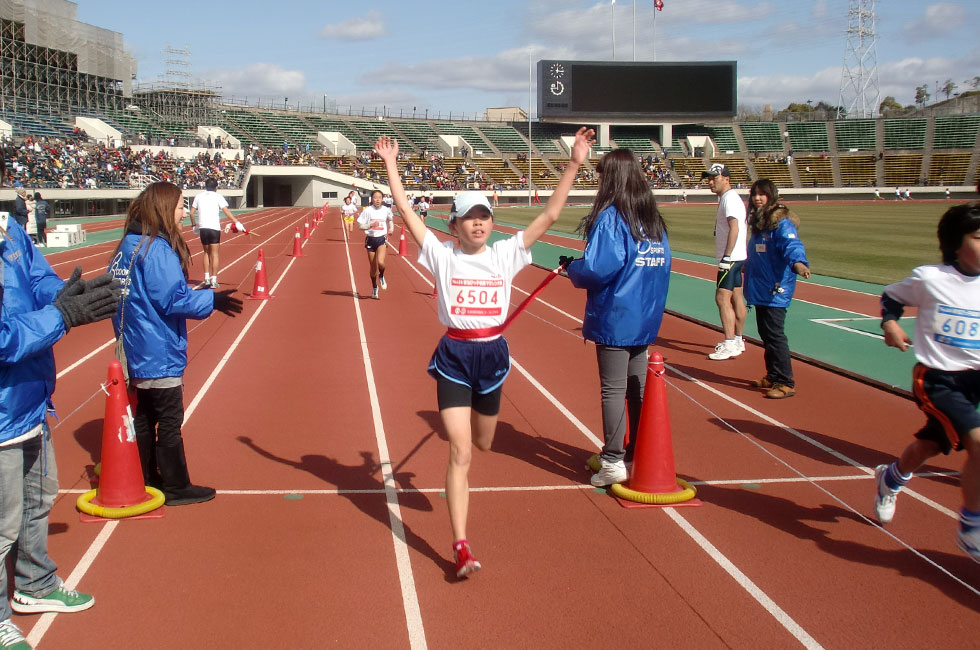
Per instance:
(421,135)
(858,170)
(468,133)
(688,170)
(637,145)
(374,129)
(856,134)
(808,136)
(815,171)
(724,137)
(955,131)
(903,168)
(762,136)
(340,126)
(498,171)
(294,128)
(253,127)
(506,139)
(949,168)
(676,148)
(777,172)
(905,133)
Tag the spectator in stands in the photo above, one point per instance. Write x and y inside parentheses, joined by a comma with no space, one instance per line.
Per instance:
(730,237)
(775,257)
(42,210)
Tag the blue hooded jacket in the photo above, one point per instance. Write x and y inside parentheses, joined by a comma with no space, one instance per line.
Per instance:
(158,303)
(626,281)
(771,256)
(29,327)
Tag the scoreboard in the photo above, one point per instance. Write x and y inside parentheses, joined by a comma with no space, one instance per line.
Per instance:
(641,91)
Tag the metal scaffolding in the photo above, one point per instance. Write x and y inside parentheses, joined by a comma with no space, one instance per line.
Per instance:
(50,63)
(859,93)
(178,100)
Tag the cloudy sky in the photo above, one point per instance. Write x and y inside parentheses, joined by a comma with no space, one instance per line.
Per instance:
(466,56)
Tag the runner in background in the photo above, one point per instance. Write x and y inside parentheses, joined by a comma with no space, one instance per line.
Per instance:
(349,212)
(207,208)
(473,283)
(377,222)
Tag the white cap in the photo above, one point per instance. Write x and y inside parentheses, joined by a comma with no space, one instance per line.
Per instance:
(466,201)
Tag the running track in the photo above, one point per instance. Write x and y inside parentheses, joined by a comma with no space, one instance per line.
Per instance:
(313,416)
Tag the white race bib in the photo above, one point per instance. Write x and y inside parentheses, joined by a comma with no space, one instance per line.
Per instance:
(476,297)
(957,327)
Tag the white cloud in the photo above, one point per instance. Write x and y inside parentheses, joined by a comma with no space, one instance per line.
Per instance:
(938,20)
(364,28)
(259,79)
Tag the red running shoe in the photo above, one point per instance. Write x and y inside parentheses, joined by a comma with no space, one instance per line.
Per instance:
(465,562)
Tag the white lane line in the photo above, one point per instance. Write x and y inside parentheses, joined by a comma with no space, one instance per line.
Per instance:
(39,629)
(45,621)
(753,590)
(406,579)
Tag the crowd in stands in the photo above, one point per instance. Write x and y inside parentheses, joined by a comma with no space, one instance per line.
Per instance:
(79,163)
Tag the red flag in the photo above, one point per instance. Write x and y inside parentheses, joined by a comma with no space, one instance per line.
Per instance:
(659,4)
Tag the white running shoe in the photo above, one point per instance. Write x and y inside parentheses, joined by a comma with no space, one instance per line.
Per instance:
(206,284)
(214,282)
(609,473)
(374,294)
(740,342)
(884,497)
(381,281)
(727,349)
(969,542)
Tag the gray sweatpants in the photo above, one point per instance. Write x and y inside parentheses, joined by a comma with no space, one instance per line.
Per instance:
(622,375)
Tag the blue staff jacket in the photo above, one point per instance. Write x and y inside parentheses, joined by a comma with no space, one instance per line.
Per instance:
(771,256)
(158,303)
(626,281)
(29,327)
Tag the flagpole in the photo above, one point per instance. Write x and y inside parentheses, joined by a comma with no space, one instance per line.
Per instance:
(612,8)
(530,68)
(654,33)
(634,30)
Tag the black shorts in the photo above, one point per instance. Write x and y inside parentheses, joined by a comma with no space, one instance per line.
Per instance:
(374,243)
(451,394)
(210,236)
(731,278)
(949,399)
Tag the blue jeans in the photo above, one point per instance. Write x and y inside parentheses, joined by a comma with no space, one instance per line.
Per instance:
(28,487)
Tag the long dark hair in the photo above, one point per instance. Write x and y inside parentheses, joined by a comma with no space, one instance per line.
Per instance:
(152,212)
(623,184)
(759,220)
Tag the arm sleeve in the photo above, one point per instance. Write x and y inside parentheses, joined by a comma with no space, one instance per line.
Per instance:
(168,291)
(791,248)
(901,294)
(605,256)
(891,309)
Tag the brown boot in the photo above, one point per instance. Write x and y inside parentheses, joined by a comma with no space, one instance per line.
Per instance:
(780,391)
(761,383)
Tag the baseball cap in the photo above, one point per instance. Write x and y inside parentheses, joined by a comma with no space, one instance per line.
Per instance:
(716,169)
(466,201)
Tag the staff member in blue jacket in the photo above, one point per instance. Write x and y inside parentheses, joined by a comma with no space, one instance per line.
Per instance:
(36,309)
(626,272)
(151,263)
(775,257)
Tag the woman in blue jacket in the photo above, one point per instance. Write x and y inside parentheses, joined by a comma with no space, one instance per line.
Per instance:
(151,264)
(775,257)
(626,272)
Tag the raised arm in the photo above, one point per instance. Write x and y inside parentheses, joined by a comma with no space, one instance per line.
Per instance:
(584,139)
(388,150)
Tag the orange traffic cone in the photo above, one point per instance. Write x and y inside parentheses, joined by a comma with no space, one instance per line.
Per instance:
(297,245)
(402,244)
(306,229)
(121,492)
(260,290)
(652,482)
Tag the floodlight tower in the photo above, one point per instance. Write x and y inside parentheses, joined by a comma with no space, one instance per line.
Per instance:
(859,94)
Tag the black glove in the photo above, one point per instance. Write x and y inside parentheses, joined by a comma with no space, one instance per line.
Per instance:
(74,285)
(226,303)
(89,307)
(565,260)
(725,264)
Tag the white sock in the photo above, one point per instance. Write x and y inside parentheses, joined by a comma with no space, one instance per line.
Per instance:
(738,338)
(207,276)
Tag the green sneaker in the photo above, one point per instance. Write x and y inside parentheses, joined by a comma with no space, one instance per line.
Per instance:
(59,600)
(11,637)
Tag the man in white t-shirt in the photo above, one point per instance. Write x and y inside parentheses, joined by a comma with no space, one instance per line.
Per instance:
(207,209)
(730,238)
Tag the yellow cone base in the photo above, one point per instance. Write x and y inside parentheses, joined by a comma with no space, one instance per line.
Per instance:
(684,496)
(150,508)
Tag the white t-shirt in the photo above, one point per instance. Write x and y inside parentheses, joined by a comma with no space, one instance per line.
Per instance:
(348,210)
(730,205)
(474,290)
(377,220)
(208,206)
(947,328)
(423,206)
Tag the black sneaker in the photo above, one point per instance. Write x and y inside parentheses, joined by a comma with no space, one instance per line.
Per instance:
(187,495)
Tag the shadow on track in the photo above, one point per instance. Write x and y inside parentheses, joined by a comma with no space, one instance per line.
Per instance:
(365,477)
